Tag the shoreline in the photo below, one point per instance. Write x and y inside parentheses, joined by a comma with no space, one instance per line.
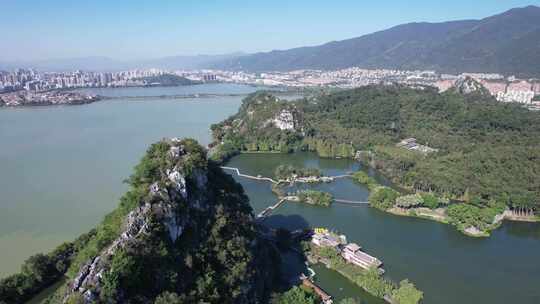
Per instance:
(370,280)
(440,218)
(172,96)
(445,219)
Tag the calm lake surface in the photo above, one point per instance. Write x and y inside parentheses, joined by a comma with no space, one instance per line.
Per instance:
(61,171)
(449,267)
(62,167)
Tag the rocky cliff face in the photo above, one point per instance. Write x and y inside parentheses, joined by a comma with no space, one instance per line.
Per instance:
(285,120)
(191,235)
(468,85)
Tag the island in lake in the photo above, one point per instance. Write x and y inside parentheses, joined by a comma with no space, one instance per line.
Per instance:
(458,158)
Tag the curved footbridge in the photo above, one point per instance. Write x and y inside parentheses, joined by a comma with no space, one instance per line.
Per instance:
(273,181)
(262,178)
(266,212)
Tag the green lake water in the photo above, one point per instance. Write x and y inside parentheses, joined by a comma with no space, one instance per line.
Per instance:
(62,167)
(61,171)
(448,266)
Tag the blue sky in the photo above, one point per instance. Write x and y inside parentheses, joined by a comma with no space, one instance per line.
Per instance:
(132,29)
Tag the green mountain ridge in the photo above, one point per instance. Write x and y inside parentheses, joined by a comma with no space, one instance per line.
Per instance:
(485,153)
(505,43)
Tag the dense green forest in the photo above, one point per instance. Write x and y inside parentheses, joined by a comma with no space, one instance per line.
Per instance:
(313,197)
(488,152)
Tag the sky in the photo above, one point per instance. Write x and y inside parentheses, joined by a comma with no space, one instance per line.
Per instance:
(137,29)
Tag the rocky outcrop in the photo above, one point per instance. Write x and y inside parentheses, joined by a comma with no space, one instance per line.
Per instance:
(285,120)
(88,281)
(161,205)
(468,85)
(181,193)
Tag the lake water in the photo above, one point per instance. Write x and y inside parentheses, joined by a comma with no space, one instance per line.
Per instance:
(449,267)
(62,167)
(61,170)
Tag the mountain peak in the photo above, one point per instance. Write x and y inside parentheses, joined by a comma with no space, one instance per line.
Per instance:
(186,219)
(497,44)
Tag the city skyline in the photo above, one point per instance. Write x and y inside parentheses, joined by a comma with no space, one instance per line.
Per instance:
(139,30)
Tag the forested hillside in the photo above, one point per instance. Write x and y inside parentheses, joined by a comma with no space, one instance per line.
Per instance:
(487,151)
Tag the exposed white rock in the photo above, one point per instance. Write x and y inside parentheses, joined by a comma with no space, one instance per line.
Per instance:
(285,120)
(89,278)
(175,151)
(154,188)
(468,85)
(162,206)
(179,181)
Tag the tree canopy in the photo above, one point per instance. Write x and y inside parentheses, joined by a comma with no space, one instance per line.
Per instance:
(485,149)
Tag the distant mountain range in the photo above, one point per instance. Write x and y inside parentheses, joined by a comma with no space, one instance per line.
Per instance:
(507,43)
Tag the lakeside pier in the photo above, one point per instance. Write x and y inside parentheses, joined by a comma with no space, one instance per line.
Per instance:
(266,212)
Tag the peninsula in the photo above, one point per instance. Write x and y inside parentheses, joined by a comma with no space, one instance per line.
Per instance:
(47,98)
